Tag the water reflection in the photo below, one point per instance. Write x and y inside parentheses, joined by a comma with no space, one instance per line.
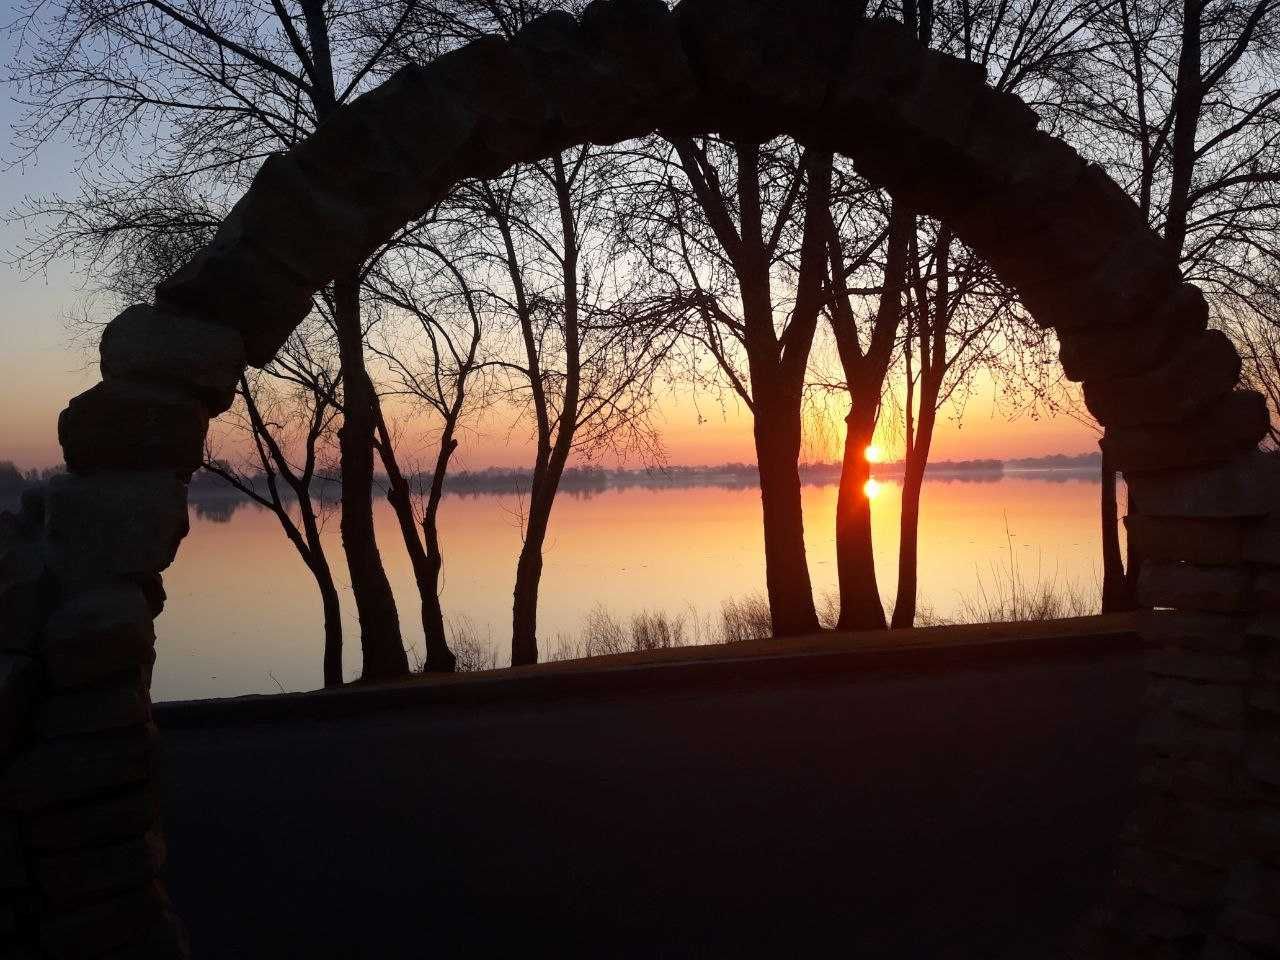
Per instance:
(242,607)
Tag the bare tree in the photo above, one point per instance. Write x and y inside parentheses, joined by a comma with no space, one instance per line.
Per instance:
(287,414)
(733,239)
(865,360)
(585,345)
(961,318)
(436,364)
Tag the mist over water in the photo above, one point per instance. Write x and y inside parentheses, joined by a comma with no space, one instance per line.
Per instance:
(243,614)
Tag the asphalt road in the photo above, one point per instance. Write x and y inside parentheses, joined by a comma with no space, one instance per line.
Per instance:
(964,814)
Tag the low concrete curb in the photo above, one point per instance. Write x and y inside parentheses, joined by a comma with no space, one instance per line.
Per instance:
(594,680)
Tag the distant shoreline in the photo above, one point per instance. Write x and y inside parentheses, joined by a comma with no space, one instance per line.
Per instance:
(209,489)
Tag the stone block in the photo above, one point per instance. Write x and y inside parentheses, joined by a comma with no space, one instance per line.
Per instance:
(164,938)
(1255,930)
(513,120)
(1264,699)
(125,425)
(78,874)
(1190,830)
(583,89)
(1262,542)
(103,633)
(642,44)
(1151,918)
(1214,633)
(1131,285)
(767,67)
(1199,373)
(1263,764)
(1103,353)
(1262,823)
(119,816)
(302,222)
(92,711)
(1170,735)
(1218,948)
(1266,664)
(1264,628)
(77,933)
(1197,588)
(1199,540)
(1232,426)
(18,688)
(1167,878)
(148,344)
(408,125)
(21,613)
(1247,486)
(114,524)
(65,771)
(1255,884)
(1188,778)
(1217,704)
(1266,590)
(1075,220)
(152,587)
(234,286)
(883,61)
(13,863)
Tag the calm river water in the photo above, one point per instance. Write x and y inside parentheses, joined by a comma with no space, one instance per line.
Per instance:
(243,615)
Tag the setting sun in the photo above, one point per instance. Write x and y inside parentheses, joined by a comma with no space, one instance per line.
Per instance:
(873,454)
(871,488)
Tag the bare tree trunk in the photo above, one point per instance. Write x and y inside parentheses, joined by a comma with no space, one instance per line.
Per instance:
(1115,587)
(906,601)
(426,561)
(382,647)
(383,650)
(524,608)
(1188,106)
(777,440)
(1133,566)
(439,657)
(332,607)
(860,604)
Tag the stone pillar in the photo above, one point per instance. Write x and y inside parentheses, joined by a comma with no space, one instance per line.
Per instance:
(1198,873)
(80,584)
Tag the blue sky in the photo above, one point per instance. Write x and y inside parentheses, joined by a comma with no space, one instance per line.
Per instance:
(39,367)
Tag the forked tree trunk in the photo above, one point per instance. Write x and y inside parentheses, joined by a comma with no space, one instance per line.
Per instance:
(425,561)
(860,604)
(382,648)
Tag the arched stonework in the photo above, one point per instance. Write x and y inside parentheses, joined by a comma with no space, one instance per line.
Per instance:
(80,568)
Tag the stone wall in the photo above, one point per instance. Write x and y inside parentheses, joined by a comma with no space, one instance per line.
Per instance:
(80,567)
(1199,869)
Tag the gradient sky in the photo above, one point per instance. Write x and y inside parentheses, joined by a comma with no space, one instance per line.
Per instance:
(41,366)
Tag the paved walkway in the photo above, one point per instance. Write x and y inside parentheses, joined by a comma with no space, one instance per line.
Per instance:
(967,812)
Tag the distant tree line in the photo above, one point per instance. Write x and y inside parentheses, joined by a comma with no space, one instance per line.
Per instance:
(559,299)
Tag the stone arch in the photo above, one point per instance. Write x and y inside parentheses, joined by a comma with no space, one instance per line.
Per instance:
(83,566)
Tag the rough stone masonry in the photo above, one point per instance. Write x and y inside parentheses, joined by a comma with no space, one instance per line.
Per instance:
(81,564)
